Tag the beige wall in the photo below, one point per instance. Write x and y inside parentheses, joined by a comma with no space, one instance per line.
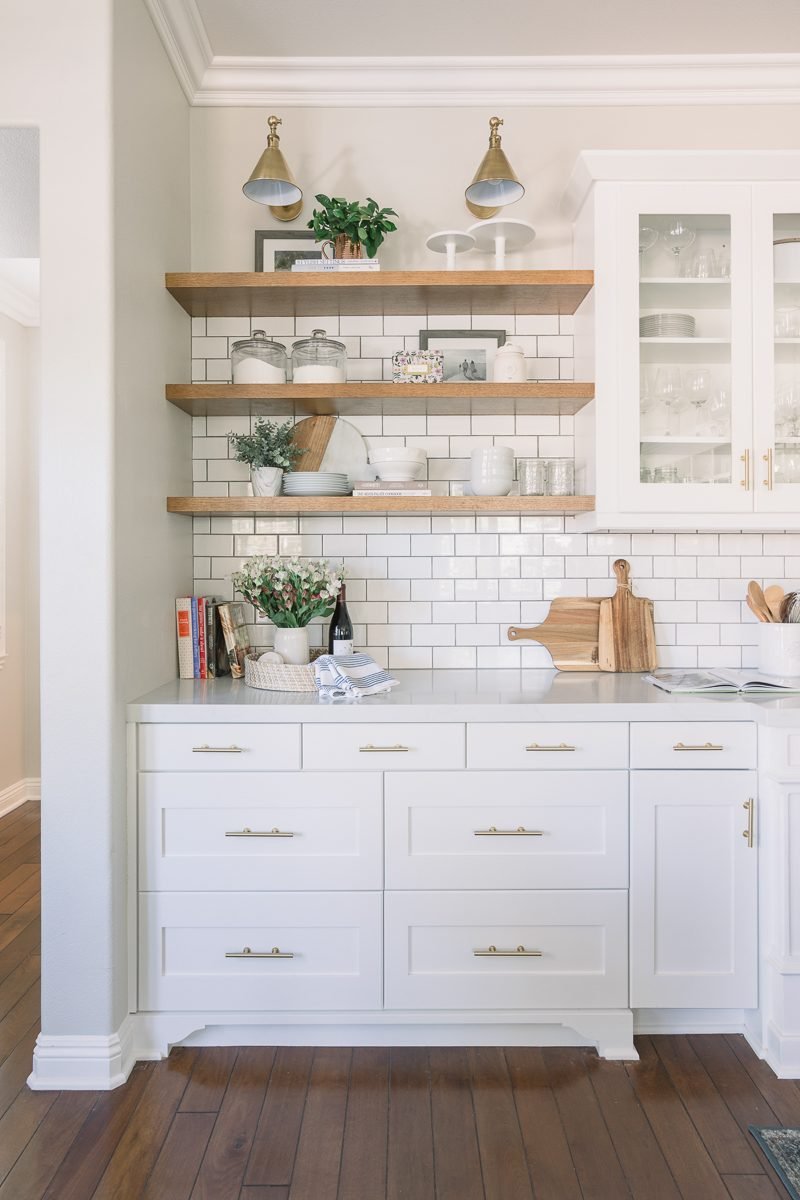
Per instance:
(19,682)
(420,160)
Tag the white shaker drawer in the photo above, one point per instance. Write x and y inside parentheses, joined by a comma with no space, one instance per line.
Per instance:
(219,747)
(259,951)
(510,829)
(548,746)
(684,745)
(387,747)
(461,950)
(252,831)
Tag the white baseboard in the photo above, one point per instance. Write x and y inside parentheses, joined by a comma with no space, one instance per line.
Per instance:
(688,1020)
(12,797)
(83,1063)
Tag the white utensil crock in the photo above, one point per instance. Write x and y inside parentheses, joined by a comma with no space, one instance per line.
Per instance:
(266,481)
(292,645)
(779,649)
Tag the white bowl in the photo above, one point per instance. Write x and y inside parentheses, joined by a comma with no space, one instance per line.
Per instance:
(403,454)
(490,487)
(399,471)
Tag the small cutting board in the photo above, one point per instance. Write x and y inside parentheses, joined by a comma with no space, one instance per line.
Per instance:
(627,638)
(570,631)
(332,444)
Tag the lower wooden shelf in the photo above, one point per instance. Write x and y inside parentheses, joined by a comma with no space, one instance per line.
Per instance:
(203,506)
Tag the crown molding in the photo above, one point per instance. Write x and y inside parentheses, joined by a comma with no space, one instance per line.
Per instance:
(210,80)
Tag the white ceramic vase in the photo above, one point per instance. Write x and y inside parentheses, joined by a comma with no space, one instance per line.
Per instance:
(292,645)
(779,649)
(266,480)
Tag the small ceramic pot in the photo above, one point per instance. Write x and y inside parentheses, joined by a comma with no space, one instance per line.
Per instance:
(266,480)
(509,364)
(292,645)
(779,649)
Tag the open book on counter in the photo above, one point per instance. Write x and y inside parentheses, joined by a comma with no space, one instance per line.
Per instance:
(723,681)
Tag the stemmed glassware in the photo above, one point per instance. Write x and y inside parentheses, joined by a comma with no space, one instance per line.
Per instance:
(647,239)
(678,236)
(698,383)
(787,411)
(669,390)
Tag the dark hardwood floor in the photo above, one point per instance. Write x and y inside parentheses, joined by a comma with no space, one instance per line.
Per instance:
(370,1124)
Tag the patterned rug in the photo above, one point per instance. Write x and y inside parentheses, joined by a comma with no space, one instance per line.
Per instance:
(782,1148)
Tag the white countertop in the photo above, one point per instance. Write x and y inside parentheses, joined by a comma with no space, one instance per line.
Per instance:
(463,696)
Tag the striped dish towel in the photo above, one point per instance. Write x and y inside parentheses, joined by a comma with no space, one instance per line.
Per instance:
(350,676)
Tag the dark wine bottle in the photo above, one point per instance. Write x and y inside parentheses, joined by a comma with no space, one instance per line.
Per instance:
(340,634)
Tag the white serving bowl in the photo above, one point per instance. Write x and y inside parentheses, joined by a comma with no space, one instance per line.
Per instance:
(397,454)
(399,470)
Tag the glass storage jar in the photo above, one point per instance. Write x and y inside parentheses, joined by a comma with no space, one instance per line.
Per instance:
(561,477)
(319,359)
(258,359)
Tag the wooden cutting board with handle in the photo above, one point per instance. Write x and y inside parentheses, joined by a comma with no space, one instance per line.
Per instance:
(627,639)
(313,434)
(569,631)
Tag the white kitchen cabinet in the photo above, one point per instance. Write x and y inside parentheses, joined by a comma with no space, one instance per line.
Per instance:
(694,902)
(696,426)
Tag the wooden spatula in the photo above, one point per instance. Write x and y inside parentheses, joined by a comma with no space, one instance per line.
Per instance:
(774,596)
(627,634)
(757,601)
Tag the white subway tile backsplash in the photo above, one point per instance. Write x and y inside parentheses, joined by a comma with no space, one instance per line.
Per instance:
(497,568)
(446,658)
(433,635)
(432,589)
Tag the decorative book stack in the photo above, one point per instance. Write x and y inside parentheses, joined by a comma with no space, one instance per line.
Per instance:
(391,487)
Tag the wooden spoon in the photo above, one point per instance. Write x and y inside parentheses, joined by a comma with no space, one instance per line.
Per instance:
(757,612)
(758,603)
(774,595)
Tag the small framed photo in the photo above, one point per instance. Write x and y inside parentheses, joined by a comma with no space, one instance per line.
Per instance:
(468,354)
(279,249)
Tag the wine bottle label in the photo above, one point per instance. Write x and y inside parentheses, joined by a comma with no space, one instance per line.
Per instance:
(340,647)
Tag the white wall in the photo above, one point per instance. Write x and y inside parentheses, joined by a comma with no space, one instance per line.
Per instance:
(419,161)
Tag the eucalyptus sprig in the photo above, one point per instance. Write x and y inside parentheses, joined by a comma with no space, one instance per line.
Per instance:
(365,223)
(271,444)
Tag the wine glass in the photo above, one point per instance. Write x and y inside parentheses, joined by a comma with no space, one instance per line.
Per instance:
(787,411)
(670,392)
(698,383)
(678,236)
(647,239)
(719,413)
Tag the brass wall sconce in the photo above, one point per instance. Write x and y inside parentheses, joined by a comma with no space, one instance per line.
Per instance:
(495,183)
(272,183)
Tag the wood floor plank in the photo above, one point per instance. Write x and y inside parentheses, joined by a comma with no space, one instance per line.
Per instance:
(87,1158)
(752,1187)
(24,841)
(28,854)
(19,822)
(20,920)
(502,1152)
(457,1160)
(724,1140)
(25,943)
(782,1095)
(177,1165)
(19,1123)
(129,1167)
(23,891)
(12,820)
(643,1164)
(680,1143)
(225,1162)
(596,1163)
(18,1020)
(12,881)
(409,1168)
(209,1080)
(278,1130)
(17,1067)
(40,1159)
(18,982)
(319,1149)
(269,1193)
(549,1160)
(366,1129)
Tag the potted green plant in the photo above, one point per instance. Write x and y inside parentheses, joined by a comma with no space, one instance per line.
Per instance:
(269,451)
(291,592)
(350,227)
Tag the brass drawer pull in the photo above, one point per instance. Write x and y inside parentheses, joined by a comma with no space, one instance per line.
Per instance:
(562,746)
(370,749)
(248,953)
(257,833)
(520,952)
(217,750)
(749,806)
(707,746)
(520,831)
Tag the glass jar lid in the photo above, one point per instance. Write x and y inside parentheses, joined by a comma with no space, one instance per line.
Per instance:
(257,344)
(319,347)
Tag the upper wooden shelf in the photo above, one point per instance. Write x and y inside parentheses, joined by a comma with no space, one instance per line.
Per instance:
(238,400)
(284,505)
(398,293)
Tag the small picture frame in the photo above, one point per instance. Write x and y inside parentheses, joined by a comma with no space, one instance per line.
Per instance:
(279,249)
(468,354)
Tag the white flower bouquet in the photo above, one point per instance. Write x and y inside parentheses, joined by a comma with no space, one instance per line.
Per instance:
(290,591)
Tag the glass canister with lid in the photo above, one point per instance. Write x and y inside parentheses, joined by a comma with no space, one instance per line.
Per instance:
(258,359)
(319,359)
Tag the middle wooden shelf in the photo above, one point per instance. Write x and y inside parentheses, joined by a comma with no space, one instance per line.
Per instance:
(544,398)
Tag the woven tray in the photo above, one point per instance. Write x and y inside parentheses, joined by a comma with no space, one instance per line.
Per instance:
(282,678)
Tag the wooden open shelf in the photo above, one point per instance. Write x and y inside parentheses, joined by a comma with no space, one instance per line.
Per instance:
(410,293)
(227,506)
(239,400)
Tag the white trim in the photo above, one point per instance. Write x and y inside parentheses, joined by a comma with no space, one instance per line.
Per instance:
(464,81)
(688,1020)
(75,1062)
(17,304)
(19,793)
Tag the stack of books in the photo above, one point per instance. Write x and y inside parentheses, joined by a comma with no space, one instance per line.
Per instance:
(392,487)
(336,264)
(212,638)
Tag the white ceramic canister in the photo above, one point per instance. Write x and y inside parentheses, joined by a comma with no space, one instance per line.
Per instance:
(779,649)
(509,364)
(292,645)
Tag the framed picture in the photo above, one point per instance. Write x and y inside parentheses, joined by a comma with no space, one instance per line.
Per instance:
(277,249)
(468,353)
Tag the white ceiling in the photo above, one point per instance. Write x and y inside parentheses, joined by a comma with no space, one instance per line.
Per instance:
(245,28)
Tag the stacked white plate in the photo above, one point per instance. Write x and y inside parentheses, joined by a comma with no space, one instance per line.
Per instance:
(667,325)
(316,483)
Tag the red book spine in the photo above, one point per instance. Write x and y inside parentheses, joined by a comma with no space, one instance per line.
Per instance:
(201,629)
